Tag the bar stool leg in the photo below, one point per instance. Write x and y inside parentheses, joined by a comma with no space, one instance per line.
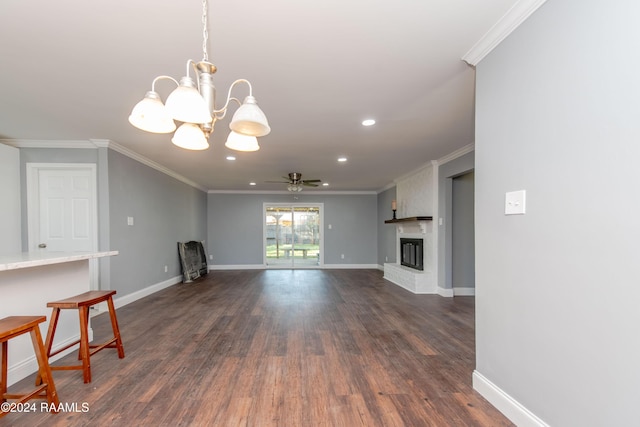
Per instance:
(43,367)
(84,343)
(3,380)
(116,329)
(48,343)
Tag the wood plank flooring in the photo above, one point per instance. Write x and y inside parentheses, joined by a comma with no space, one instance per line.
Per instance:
(280,348)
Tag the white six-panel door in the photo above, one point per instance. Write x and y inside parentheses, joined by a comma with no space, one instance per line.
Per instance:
(62,209)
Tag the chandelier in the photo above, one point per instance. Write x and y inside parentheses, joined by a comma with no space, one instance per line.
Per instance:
(193,103)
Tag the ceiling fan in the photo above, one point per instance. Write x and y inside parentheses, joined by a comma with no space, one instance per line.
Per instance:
(295,182)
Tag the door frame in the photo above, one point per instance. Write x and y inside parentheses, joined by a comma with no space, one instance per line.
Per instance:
(320,207)
(33,208)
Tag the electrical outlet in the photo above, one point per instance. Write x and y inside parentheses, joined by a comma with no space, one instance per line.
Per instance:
(129,220)
(166,268)
(342,256)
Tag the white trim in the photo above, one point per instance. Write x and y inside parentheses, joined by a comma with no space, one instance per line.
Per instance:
(464,291)
(386,187)
(350,266)
(506,404)
(515,16)
(212,267)
(129,298)
(28,366)
(444,292)
(458,153)
(101,143)
(42,143)
(148,162)
(303,193)
(413,172)
(32,172)
(313,267)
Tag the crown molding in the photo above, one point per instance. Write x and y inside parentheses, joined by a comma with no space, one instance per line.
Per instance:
(515,16)
(302,193)
(386,187)
(458,153)
(44,143)
(103,143)
(100,143)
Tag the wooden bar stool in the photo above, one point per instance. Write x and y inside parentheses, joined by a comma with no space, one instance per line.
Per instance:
(82,303)
(11,327)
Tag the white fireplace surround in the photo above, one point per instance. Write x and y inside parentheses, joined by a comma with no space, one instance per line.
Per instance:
(417,195)
(416,281)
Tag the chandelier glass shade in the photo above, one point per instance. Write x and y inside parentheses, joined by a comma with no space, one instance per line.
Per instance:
(191,137)
(294,187)
(151,115)
(185,104)
(193,104)
(237,141)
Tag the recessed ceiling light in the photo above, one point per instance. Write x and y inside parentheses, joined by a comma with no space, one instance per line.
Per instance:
(231,157)
(252,183)
(325,184)
(342,159)
(368,122)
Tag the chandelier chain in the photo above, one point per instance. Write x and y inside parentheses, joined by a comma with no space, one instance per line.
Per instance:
(205,32)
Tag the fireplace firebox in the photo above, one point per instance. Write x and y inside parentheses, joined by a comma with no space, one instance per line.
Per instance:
(411,253)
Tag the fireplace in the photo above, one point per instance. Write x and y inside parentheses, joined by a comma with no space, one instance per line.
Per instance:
(411,253)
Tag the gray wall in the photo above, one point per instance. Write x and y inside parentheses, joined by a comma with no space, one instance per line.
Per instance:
(557,289)
(446,173)
(387,237)
(463,265)
(235,229)
(164,210)
(10,211)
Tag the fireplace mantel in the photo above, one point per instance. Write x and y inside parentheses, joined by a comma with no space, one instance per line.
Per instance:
(421,221)
(410,219)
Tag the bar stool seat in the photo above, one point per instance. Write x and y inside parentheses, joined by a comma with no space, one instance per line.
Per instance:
(11,327)
(82,303)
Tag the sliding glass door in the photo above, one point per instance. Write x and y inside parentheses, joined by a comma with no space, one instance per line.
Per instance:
(292,236)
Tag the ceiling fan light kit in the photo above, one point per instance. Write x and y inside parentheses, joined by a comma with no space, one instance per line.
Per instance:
(193,103)
(295,182)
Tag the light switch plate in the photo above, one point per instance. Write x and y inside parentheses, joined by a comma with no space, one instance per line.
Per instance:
(515,203)
(129,220)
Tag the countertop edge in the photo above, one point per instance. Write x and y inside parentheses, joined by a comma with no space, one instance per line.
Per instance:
(37,259)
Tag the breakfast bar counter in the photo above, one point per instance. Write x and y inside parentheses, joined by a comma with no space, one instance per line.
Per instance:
(28,281)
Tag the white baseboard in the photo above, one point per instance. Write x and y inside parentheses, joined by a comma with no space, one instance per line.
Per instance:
(236,267)
(350,266)
(444,292)
(28,366)
(506,404)
(464,292)
(264,267)
(129,298)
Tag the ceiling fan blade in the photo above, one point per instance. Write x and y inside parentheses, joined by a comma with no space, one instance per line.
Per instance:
(278,182)
(308,184)
(311,180)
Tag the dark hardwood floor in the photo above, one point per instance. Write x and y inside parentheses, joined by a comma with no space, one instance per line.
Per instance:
(280,348)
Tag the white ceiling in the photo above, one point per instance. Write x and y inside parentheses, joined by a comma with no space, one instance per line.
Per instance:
(73,69)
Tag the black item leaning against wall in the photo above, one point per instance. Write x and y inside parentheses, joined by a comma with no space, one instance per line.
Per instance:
(193,260)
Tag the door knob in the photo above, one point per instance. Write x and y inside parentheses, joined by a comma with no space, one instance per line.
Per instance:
(42,245)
